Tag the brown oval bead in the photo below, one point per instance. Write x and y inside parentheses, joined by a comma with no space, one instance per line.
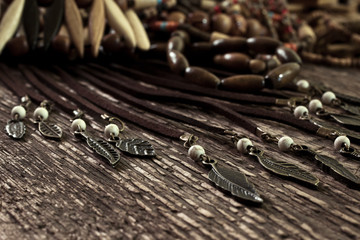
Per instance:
(123,4)
(181,33)
(233,61)
(18,46)
(282,75)
(243,83)
(239,26)
(177,62)
(176,16)
(272,63)
(201,47)
(200,20)
(286,55)
(44,3)
(254,28)
(202,77)
(176,43)
(233,44)
(222,23)
(262,45)
(112,43)
(61,44)
(257,65)
(83,3)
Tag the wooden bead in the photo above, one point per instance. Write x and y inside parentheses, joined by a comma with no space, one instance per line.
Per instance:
(243,83)
(272,63)
(340,142)
(239,26)
(18,46)
(232,44)
(328,97)
(285,143)
(44,3)
(41,113)
(301,111)
(243,145)
(83,3)
(218,35)
(112,43)
(184,35)
(111,131)
(265,45)
(176,16)
(200,20)
(78,125)
(233,61)
(201,77)
(254,28)
(221,23)
(315,105)
(20,111)
(257,66)
(282,75)
(286,55)
(195,152)
(61,44)
(176,43)
(177,62)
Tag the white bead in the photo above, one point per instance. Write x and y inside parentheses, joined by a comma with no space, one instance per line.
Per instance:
(300,111)
(111,130)
(315,105)
(41,113)
(78,125)
(341,141)
(243,144)
(303,84)
(328,97)
(195,152)
(18,110)
(285,143)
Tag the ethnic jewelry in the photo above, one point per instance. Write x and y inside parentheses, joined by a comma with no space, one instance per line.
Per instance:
(16,128)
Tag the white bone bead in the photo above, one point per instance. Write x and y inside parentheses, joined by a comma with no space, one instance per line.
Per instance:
(340,142)
(315,105)
(243,144)
(302,84)
(300,111)
(41,113)
(328,97)
(195,152)
(285,143)
(18,110)
(111,130)
(78,125)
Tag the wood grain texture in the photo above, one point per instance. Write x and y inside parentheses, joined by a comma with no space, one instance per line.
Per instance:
(10,22)
(96,25)
(119,23)
(74,25)
(62,190)
(141,36)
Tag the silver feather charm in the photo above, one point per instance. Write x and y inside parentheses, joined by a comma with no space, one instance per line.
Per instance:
(15,129)
(50,130)
(136,147)
(350,108)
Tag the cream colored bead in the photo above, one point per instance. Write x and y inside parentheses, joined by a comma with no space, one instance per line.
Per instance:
(328,97)
(303,84)
(340,142)
(300,111)
(285,143)
(111,130)
(195,152)
(315,105)
(41,113)
(18,110)
(78,125)
(243,144)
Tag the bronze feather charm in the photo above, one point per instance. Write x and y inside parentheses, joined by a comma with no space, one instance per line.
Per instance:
(346,119)
(105,149)
(74,25)
(15,129)
(96,25)
(50,130)
(350,108)
(350,152)
(52,21)
(136,147)
(31,22)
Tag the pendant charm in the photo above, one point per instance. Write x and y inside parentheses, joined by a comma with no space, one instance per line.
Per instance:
(346,119)
(350,152)
(350,108)
(48,130)
(16,128)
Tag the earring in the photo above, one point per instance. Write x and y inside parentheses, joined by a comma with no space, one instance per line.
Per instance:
(15,127)
(41,114)
(101,147)
(135,147)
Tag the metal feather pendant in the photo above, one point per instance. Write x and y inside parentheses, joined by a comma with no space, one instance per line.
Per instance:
(234,182)
(15,129)
(50,130)
(52,21)
(284,168)
(31,22)
(136,147)
(350,108)
(346,119)
(329,164)
(104,149)
(350,152)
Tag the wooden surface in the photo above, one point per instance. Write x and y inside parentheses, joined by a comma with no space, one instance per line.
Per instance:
(61,190)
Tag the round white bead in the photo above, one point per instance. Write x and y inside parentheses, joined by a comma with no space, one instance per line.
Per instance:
(285,143)
(78,125)
(341,141)
(303,84)
(328,97)
(315,105)
(243,144)
(41,113)
(300,111)
(18,110)
(111,130)
(195,152)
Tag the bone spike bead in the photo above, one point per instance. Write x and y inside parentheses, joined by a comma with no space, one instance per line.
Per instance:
(142,39)
(341,141)
(142,4)
(285,143)
(328,97)
(19,111)
(243,145)
(78,125)
(301,111)
(195,152)
(315,105)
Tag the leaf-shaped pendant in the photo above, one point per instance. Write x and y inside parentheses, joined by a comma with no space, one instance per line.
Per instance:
(234,182)
(285,169)
(350,152)
(15,129)
(10,22)
(96,25)
(346,119)
(52,21)
(350,108)
(74,25)
(31,22)
(104,149)
(137,147)
(50,130)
